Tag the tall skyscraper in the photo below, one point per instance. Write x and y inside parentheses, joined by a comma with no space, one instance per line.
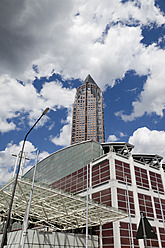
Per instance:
(88,115)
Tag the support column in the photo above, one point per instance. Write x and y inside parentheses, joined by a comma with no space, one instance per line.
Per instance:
(116,224)
(135,196)
(101,237)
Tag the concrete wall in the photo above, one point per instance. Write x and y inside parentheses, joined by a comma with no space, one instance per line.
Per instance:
(42,239)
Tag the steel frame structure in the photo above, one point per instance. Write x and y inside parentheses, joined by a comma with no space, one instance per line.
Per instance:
(55,208)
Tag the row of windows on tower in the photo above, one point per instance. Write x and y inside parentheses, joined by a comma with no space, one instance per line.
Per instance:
(88,112)
(89,105)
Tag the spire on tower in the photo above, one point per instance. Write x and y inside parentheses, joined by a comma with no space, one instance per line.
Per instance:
(89,79)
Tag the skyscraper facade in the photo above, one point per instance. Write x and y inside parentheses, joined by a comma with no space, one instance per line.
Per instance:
(88,115)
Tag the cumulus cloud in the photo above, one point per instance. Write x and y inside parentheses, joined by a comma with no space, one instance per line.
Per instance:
(7,160)
(28,29)
(64,138)
(63,37)
(151,99)
(56,95)
(16,98)
(105,41)
(122,134)
(112,138)
(53,36)
(148,141)
(108,55)
(110,45)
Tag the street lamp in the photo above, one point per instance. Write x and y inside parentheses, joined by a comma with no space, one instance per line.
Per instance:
(4,237)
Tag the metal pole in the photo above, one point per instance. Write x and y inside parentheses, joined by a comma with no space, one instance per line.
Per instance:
(16,163)
(23,163)
(161,207)
(4,237)
(87,211)
(25,224)
(101,236)
(129,211)
(144,230)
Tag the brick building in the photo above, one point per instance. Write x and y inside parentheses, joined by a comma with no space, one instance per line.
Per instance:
(118,179)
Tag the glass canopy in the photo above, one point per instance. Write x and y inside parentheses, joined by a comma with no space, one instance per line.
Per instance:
(54,208)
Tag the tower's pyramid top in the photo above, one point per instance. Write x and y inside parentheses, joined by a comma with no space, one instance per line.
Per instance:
(89,79)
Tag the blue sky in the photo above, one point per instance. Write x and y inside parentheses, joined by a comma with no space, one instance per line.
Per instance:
(47,48)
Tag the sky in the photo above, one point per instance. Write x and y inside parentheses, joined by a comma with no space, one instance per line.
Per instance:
(48,47)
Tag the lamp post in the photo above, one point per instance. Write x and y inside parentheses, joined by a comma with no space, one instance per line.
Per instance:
(4,237)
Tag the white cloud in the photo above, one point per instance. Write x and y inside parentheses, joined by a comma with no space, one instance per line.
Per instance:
(122,134)
(148,141)
(16,98)
(56,95)
(106,61)
(7,161)
(114,58)
(43,155)
(143,11)
(52,37)
(151,99)
(112,138)
(64,138)
(28,31)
